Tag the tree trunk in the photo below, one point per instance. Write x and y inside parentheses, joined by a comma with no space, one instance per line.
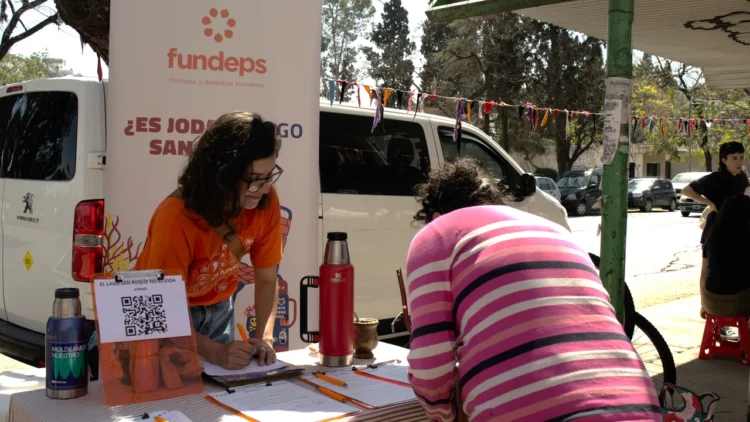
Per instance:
(562,145)
(708,158)
(90,18)
(506,136)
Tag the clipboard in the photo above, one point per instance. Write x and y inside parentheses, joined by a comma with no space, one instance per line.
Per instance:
(230,381)
(150,353)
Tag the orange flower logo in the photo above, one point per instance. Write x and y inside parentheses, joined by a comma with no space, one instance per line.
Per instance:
(218,25)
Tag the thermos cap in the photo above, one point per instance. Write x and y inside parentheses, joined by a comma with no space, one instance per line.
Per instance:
(335,236)
(67,293)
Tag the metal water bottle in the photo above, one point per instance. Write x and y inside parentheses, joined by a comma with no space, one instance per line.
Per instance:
(336,303)
(66,345)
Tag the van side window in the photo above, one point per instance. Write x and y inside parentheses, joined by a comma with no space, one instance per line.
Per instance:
(391,161)
(38,135)
(472,147)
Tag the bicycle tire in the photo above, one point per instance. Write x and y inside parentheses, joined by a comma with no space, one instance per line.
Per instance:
(665,354)
(628,306)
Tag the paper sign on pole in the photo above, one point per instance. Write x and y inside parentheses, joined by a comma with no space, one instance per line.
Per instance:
(617,101)
(175,66)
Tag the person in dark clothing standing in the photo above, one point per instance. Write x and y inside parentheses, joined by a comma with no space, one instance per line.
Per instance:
(714,189)
(727,288)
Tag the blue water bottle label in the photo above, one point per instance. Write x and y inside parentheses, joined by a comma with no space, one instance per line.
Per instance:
(66,365)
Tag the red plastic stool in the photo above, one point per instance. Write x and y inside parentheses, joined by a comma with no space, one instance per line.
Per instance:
(714,345)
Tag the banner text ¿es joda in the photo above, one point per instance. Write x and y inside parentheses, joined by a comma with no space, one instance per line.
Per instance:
(191,129)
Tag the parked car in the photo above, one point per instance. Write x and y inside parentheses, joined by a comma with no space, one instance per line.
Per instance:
(649,193)
(686,204)
(548,186)
(579,189)
(55,129)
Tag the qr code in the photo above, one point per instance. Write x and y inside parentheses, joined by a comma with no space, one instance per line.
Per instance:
(144,315)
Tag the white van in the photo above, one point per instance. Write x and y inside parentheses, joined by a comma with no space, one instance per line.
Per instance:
(53,140)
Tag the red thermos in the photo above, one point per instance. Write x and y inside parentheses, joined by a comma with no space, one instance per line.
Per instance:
(336,283)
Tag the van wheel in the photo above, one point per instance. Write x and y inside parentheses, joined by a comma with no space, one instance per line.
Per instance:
(648,207)
(581,209)
(685,213)
(672,205)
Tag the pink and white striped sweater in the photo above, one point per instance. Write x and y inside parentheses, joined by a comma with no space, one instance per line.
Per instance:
(511,299)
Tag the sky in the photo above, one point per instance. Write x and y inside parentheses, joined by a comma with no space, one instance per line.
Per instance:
(64,42)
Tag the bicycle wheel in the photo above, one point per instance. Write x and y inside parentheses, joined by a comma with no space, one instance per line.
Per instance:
(629,305)
(654,352)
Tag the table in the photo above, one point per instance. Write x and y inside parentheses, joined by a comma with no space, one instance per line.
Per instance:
(35,406)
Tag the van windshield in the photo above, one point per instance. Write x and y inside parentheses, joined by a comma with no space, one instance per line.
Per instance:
(572,182)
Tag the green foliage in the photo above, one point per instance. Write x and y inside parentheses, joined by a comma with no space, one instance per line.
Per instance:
(390,60)
(343,22)
(545,172)
(15,68)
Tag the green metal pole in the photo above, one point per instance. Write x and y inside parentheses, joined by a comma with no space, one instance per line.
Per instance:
(615,183)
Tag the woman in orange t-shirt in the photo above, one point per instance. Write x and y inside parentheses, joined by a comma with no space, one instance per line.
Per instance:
(224,208)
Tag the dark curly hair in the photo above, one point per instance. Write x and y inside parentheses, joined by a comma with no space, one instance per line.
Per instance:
(457,184)
(219,159)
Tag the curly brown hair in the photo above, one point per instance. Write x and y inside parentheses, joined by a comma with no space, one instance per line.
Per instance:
(457,184)
(219,159)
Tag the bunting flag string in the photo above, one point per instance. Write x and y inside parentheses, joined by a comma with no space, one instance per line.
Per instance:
(530,112)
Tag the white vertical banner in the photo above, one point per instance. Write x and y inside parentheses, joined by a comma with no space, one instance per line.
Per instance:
(175,67)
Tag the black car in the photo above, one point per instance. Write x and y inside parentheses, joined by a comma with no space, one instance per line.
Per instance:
(649,193)
(579,190)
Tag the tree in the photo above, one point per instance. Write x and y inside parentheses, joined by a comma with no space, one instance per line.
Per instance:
(11,21)
(569,74)
(15,68)
(390,60)
(344,21)
(481,58)
(90,18)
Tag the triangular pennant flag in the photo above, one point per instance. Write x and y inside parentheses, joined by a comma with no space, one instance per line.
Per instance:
(457,128)
(411,102)
(546,117)
(331,91)
(388,92)
(679,125)
(378,110)
(424,100)
(651,124)
(530,118)
(343,91)
(480,109)
(488,107)
(432,97)
(521,110)
(536,118)
(99,72)
(554,113)
(663,127)
(572,113)
(399,99)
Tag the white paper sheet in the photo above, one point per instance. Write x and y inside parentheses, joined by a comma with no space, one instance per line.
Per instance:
(142,309)
(283,401)
(169,416)
(370,391)
(217,371)
(393,372)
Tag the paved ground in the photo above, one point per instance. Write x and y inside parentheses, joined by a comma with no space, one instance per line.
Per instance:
(663,254)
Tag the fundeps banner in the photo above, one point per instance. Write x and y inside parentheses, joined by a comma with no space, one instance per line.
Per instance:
(176,66)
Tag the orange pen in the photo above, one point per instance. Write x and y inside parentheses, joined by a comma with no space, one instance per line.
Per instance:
(334,395)
(243,333)
(333,381)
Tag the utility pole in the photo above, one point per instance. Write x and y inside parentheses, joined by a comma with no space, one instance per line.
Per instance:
(690,138)
(615,183)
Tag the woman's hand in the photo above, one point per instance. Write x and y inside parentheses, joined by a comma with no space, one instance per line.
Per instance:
(234,355)
(266,354)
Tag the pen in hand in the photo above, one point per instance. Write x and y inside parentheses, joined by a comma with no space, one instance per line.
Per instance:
(243,333)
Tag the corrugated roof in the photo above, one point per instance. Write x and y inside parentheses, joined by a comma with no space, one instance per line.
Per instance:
(711,34)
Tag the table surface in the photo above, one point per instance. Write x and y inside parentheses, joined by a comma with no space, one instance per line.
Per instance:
(35,406)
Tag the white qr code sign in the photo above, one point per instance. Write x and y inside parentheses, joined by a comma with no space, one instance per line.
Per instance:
(142,308)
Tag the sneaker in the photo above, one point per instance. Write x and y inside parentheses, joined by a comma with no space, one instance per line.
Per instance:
(728,334)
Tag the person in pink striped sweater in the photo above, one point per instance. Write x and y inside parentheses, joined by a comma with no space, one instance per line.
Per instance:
(511,303)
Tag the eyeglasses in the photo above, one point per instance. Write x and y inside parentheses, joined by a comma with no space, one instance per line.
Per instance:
(257,183)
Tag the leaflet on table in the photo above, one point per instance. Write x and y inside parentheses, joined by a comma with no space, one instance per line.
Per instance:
(281,401)
(141,308)
(165,415)
(370,391)
(253,368)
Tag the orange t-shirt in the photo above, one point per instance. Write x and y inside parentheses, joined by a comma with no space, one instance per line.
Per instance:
(178,239)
